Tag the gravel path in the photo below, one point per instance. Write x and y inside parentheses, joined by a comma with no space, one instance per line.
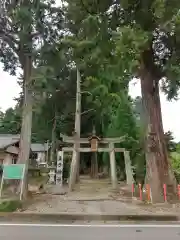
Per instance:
(55,204)
(92,197)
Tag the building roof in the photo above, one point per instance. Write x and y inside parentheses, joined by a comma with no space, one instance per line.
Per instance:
(94,137)
(39,147)
(8,140)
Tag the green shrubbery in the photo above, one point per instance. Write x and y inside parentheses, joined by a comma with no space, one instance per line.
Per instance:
(10,205)
(175,161)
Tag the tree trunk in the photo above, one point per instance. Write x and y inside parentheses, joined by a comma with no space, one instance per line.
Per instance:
(158,169)
(53,141)
(25,139)
(75,163)
(47,152)
(94,165)
(78,121)
(94,161)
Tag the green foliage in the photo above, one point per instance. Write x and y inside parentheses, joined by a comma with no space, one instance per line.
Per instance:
(10,205)
(10,121)
(130,29)
(27,29)
(123,123)
(130,42)
(171,145)
(175,156)
(59,101)
(175,162)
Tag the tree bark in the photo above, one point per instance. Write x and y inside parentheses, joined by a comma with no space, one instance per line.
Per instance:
(25,139)
(75,163)
(113,166)
(78,120)
(158,169)
(53,141)
(94,165)
(94,160)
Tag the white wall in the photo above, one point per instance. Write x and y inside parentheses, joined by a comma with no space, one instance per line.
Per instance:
(7,159)
(40,157)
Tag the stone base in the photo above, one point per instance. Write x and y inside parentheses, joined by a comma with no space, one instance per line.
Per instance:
(57,190)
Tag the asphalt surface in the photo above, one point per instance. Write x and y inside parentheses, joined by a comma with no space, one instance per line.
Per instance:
(85,232)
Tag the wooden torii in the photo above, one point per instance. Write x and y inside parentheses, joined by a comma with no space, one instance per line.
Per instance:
(94,142)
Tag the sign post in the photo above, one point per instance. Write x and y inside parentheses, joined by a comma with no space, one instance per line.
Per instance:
(13,172)
(59,168)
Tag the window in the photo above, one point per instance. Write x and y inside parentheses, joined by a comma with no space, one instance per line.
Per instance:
(14,159)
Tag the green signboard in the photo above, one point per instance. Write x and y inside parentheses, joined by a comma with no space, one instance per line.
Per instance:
(14,171)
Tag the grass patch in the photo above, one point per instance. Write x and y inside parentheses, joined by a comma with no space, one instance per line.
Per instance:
(37,180)
(10,205)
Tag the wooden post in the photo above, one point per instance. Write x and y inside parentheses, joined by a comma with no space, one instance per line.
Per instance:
(53,139)
(113,166)
(128,168)
(75,164)
(47,152)
(94,165)
(94,160)
(73,170)
(77,127)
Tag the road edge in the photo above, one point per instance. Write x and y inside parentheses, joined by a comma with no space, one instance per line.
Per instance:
(51,217)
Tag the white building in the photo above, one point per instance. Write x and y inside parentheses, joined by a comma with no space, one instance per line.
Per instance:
(40,151)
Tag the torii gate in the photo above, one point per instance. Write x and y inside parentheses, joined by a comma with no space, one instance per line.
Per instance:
(94,141)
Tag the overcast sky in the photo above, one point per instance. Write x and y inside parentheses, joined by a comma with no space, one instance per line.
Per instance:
(171,118)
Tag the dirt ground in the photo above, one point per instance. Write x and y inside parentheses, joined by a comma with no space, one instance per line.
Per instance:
(95,196)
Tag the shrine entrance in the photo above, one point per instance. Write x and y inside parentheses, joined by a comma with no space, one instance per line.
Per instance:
(95,142)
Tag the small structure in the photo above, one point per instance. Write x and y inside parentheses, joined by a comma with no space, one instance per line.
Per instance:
(9,148)
(40,152)
(94,141)
(59,168)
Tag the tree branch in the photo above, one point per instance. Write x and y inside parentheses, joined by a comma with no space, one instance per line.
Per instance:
(7,37)
(55,9)
(86,8)
(87,111)
(10,42)
(87,92)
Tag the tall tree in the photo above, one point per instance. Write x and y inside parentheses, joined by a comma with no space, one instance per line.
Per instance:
(151,46)
(27,27)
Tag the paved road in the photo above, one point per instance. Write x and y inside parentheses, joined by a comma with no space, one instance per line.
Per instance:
(96,232)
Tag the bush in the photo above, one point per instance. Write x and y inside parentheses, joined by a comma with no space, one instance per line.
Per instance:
(10,205)
(175,162)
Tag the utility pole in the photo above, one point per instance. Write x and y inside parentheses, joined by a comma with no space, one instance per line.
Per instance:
(74,172)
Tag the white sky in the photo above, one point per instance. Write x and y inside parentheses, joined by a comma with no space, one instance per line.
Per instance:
(171,118)
(9,90)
